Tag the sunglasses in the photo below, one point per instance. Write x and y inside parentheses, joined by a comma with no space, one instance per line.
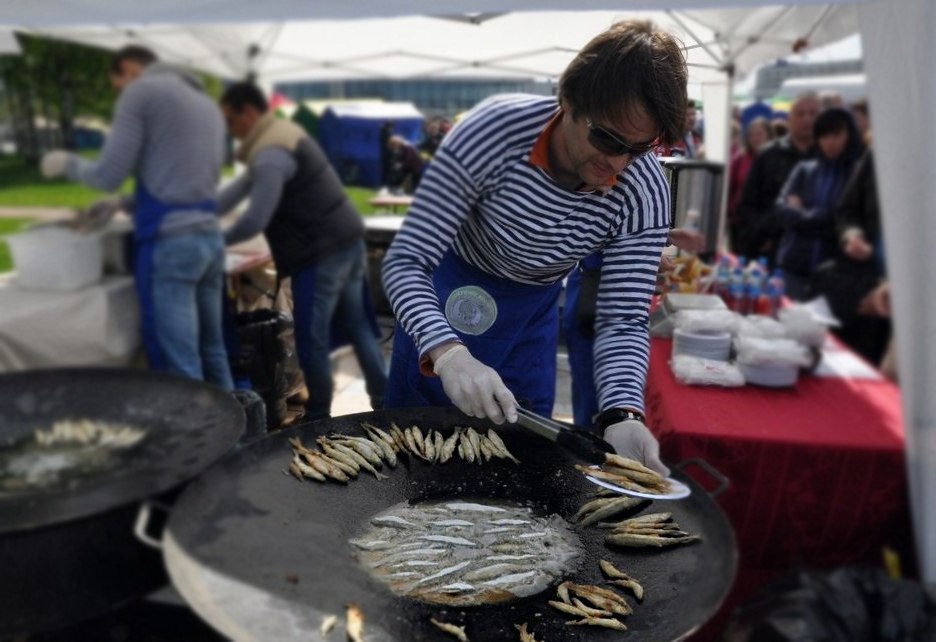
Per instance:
(609,144)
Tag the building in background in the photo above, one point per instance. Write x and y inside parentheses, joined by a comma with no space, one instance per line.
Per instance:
(433,97)
(770,78)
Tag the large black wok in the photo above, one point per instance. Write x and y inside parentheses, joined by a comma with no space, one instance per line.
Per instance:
(262,556)
(67,549)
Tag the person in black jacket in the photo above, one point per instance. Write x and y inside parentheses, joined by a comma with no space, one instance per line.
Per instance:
(861,241)
(315,234)
(808,199)
(858,216)
(759,226)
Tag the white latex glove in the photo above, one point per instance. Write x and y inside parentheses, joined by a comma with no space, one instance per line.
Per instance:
(632,439)
(476,389)
(54,163)
(99,213)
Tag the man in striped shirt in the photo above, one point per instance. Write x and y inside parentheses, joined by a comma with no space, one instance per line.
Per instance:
(167,134)
(518,193)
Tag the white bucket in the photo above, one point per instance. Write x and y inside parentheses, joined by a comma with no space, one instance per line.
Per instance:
(56,259)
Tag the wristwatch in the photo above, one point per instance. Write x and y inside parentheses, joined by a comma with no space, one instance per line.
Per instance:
(611,416)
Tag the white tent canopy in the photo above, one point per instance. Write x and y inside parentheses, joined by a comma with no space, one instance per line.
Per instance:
(724,38)
(516,44)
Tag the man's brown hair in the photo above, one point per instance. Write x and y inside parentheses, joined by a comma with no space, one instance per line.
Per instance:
(135,53)
(632,65)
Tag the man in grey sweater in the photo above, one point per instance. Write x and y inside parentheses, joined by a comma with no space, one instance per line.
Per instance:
(166,133)
(315,234)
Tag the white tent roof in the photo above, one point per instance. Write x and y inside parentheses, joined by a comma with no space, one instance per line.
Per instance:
(518,44)
(92,12)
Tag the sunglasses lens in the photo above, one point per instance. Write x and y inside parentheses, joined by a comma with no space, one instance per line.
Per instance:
(606,143)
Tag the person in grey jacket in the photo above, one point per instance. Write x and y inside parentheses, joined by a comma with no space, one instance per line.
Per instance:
(167,134)
(315,234)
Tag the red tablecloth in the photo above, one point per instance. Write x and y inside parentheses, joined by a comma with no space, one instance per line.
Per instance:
(817,471)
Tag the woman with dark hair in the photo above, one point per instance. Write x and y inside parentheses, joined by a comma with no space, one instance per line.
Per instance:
(809,197)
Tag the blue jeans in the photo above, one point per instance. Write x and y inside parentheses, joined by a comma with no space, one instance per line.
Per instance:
(331,289)
(188,289)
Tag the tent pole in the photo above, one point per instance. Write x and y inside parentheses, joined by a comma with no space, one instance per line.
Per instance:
(898,52)
(717,112)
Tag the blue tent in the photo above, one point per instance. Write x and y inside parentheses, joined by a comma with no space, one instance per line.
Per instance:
(350,136)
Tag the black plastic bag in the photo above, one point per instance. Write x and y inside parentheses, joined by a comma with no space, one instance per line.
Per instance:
(264,350)
(853,604)
(844,282)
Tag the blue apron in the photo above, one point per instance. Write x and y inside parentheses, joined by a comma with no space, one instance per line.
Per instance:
(511,327)
(148,216)
(581,344)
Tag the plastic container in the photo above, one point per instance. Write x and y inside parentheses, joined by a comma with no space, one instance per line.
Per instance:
(56,259)
(770,376)
(714,346)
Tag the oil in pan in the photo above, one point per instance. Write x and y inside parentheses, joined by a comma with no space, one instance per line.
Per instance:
(464,553)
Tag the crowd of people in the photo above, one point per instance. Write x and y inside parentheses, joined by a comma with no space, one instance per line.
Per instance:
(807,202)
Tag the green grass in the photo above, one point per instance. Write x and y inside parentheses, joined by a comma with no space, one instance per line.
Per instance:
(360,197)
(9,226)
(21,185)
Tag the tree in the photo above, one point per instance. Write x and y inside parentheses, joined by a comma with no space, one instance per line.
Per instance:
(58,81)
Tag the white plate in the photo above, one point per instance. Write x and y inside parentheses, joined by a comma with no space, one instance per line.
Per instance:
(679,489)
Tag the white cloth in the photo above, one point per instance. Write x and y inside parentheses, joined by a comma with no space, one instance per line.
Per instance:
(96,326)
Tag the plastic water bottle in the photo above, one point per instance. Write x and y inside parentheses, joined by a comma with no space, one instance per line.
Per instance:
(753,299)
(691,222)
(762,270)
(737,301)
(776,290)
(772,301)
(723,278)
(738,278)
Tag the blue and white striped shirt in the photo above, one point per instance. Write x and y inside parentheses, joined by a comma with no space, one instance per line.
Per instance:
(482,196)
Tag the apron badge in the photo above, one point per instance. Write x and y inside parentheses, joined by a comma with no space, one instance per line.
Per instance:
(471,310)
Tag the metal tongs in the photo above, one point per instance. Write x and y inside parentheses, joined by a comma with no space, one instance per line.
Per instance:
(583,444)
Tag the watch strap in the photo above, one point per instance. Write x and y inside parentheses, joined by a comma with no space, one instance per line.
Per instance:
(615,415)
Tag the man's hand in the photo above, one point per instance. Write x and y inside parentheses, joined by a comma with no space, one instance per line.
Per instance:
(793,200)
(856,246)
(99,213)
(54,163)
(877,302)
(632,439)
(476,389)
(686,240)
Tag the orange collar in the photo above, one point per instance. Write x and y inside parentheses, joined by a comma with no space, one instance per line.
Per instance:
(539,156)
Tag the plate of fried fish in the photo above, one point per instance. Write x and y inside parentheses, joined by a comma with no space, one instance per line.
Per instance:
(630,477)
